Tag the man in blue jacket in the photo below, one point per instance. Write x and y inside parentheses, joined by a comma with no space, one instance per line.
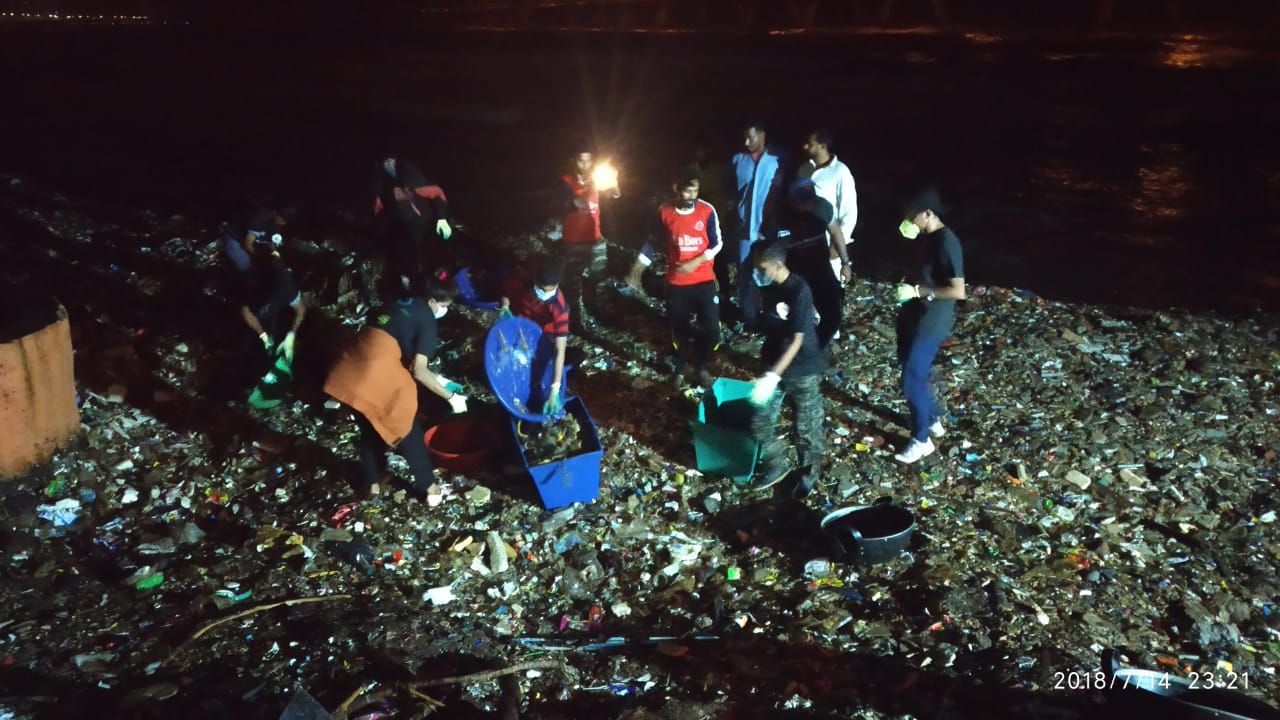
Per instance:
(757,187)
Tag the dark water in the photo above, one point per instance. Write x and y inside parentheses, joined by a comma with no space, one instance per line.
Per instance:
(1136,170)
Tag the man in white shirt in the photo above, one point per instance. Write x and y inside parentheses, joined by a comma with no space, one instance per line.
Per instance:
(833,182)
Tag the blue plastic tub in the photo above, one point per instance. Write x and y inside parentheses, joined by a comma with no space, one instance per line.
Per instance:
(520,361)
(722,441)
(470,294)
(575,479)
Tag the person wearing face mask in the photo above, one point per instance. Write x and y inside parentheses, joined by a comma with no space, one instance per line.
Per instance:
(583,247)
(757,188)
(272,308)
(413,208)
(927,316)
(541,300)
(690,232)
(378,374)
(793,363)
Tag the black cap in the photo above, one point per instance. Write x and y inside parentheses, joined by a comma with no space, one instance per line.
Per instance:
(926,199)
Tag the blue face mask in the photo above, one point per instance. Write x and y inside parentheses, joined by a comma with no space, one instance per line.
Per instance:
(544,295)
(760,278)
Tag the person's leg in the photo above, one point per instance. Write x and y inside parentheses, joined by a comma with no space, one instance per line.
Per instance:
(748,293)
(725,268)
(596,270)
(414,450)
(234,251)
(915,385)
(576,257)
(805,394)
(773,452)
(706,300)
(373,454)
(680,305)
(828,300)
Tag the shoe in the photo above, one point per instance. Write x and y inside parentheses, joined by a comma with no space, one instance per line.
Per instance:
(773,474)
(915,452)
(936,429)
(705,379)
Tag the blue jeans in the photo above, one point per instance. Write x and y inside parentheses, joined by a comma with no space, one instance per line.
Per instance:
(234,251)
(916,355)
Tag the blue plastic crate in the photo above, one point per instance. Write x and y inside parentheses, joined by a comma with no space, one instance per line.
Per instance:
(571,480)
(722,441)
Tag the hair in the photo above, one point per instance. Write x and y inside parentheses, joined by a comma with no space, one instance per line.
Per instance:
(755,123)
(688,175)
(440,287)
(582,147)
(773,252)
(822,137)
(550,271)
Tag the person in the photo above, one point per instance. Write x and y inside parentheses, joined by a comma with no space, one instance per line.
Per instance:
(927,316)
(584,249)
(834,183)
(792,361)
(690,232)
(378,377)
(271,307)
(542,300)
(263,224)
(757,186)
(813,227)
(412,206)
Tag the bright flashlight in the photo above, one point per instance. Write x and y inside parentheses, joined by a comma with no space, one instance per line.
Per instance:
(605,176)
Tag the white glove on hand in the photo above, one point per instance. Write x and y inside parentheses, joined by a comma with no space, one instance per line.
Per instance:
(266,341)
(443,229)
(763,388)
(907,292)
(458,403)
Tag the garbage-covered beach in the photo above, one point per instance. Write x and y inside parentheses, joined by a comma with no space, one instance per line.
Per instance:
(1107,483)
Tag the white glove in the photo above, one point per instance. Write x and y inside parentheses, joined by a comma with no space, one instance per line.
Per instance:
(907,292)
(266,341)
(763,388)
(458,402)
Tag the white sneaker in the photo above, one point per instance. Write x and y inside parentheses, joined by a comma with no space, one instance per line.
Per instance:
(936,429)
(915,452)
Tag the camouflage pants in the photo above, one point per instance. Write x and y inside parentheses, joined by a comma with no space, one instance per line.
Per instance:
(584,269)
(804,396)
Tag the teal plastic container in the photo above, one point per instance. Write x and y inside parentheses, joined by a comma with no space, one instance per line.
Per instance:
(722,441)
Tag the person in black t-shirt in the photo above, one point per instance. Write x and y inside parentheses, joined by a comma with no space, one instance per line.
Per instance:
(272,308)
(379,374)
(258,225)
(792,360)
(815,238)
(927,316)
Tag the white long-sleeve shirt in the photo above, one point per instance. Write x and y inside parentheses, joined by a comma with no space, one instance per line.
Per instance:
(834,183)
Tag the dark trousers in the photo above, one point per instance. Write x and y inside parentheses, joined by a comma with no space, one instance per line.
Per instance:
(812,263)
(804,396)
(584,268)
(916,353)
(373,455)
(700,300)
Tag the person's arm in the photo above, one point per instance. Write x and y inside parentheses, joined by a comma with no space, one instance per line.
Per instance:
(377,206)
(713,245)
(769,215)
(562,343)
(429,380)
(299,312)
(647,253)
(434,195)
(846,200)
(251,320)
(953,290)
(788,355)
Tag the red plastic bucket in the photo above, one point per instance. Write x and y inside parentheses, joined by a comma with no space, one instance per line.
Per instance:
(460,443)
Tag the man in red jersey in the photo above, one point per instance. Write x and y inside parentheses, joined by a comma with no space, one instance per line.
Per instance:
(691,238)
(584,248)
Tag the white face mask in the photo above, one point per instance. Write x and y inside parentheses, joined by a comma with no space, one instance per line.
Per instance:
(544,295)
(909,230)
(440,311)
(390,167)
(760,278)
